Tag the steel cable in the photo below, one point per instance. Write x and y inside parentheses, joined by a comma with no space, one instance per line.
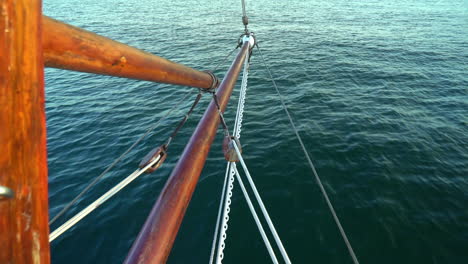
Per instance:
(117,160)
(317,178)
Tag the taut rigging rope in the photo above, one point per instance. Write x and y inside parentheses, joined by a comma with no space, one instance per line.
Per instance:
(262,206)
(227,189)
(230,172)
(317,178)
(184,119)
(243,8)
(223,215)
(225,58)
(255,216)
(75,219)
(143,168)
(117,160)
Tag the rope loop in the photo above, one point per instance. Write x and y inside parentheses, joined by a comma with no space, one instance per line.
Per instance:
(215,80)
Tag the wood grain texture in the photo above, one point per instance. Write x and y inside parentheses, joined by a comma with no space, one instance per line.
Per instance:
(157,236)
(24,230)
(71,48)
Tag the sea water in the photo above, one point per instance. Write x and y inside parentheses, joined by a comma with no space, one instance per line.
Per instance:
(377,89)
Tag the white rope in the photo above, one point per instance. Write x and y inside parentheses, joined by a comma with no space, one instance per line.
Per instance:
(225,218)
(262,207)
(230,171)
(243,8)
(220,210)
(241,103)
(255,216)
(75,219)
(229,174)
(95,181)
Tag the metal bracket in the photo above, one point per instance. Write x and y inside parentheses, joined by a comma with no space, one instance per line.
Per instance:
(6,193)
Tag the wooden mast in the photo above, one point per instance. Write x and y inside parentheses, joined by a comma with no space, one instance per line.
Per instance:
(156,238)
(24,229)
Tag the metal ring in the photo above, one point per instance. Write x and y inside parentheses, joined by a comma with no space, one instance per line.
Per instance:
(6,193)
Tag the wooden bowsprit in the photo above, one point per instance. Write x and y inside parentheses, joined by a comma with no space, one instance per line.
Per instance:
(155,240)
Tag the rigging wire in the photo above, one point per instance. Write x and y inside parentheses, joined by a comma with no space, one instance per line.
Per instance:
(243,93)
(245,19)
(255,216)
(225,216)
(260,203)
(117,160)
(226,196)
(228,180)
(221,116)
(184,119)
(143,168)
(317,178)
(75,219)
(227,185)
(243,8)
(231,170)
(225,58)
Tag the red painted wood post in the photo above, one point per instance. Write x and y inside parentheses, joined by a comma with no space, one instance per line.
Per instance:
(157,236)
(24,229)
(71,48)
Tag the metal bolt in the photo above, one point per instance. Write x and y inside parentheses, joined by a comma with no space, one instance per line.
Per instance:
(6,193)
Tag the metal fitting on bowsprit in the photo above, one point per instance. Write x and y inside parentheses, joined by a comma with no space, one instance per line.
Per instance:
(6,193)
(245,20)
(248,37)
(159,154)
(230,153)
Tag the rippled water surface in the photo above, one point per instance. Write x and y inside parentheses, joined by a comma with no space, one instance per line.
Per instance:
(379,92)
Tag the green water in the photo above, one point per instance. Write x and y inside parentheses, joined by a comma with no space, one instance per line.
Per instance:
(378,90)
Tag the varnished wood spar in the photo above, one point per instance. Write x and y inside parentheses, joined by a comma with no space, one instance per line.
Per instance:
(157,235)
(24,229)
(71,48)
